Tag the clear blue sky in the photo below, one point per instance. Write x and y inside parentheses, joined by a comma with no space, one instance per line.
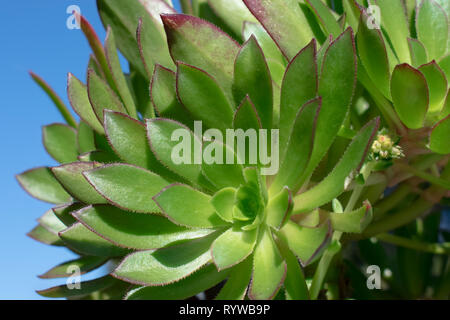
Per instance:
(34,37)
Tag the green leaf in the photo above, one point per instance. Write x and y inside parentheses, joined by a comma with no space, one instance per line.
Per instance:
(289,30)
(395,23)
(166,265)
(233,12)
(437,84)
(164,96)
(85,138)
(332,186)
(123,17)
(45,236)
(71,178)
(336,87)
(64,212)
(198,91)
(101,96)
(279,209)
(409,92)
(297,151)
(232,247)
(294,283)
(56,100)
(418,52)
(127,187)
(117,74)
(246,116)
(373,54)
(201,280)
(98,156)
(439,137)
(79,100)
(444,63)
(354,221)
(51,222)
(85,264)
(432,28)
(202,44)
(269,268)
(60,141)
(252,78)
(223,202)
(84,241)
(134,230)
(300,73)
(186,206)
(237,284)
(306,243)
(172,154)
(86,287)
(325,17)
(217,169)
(41,184)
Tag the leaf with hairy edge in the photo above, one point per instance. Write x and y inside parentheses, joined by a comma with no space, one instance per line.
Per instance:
(299,86)
(117,74)
(446,107)
(325,17)
(186,206)
(134,230)
(294,284)
(41,234)
(336,87)
(164,96)
(79,100)
(101,96)
(71,178)
(232,247)
(56,100)
(252,78)
(123,17)
(201,44)
(418,52)
(306,243)
(395,23)
(203,97)
(86,242)
(233,12)
(237,284)
(279,209)
(60,141)
(223,202)
(439,137)
(85,138)
(41,184)
(332,186)
(166,265)
(64,212)
(220,172)
(285,21)
(297,152)
(51,222)
(128,139)
(373,54)
(432,28)
(201,280)
(437,85)
(164,136)
(99,156)
(86,287)
(246,116)
(354,221)
(269,268)
(409,92)
(64,270)
(126,186)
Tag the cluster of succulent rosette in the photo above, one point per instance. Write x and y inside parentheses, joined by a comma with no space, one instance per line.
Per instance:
(314,70)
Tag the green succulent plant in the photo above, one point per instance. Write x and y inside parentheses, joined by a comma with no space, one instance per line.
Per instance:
(171,230)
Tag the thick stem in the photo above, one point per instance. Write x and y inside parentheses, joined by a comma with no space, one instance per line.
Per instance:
(436,248)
